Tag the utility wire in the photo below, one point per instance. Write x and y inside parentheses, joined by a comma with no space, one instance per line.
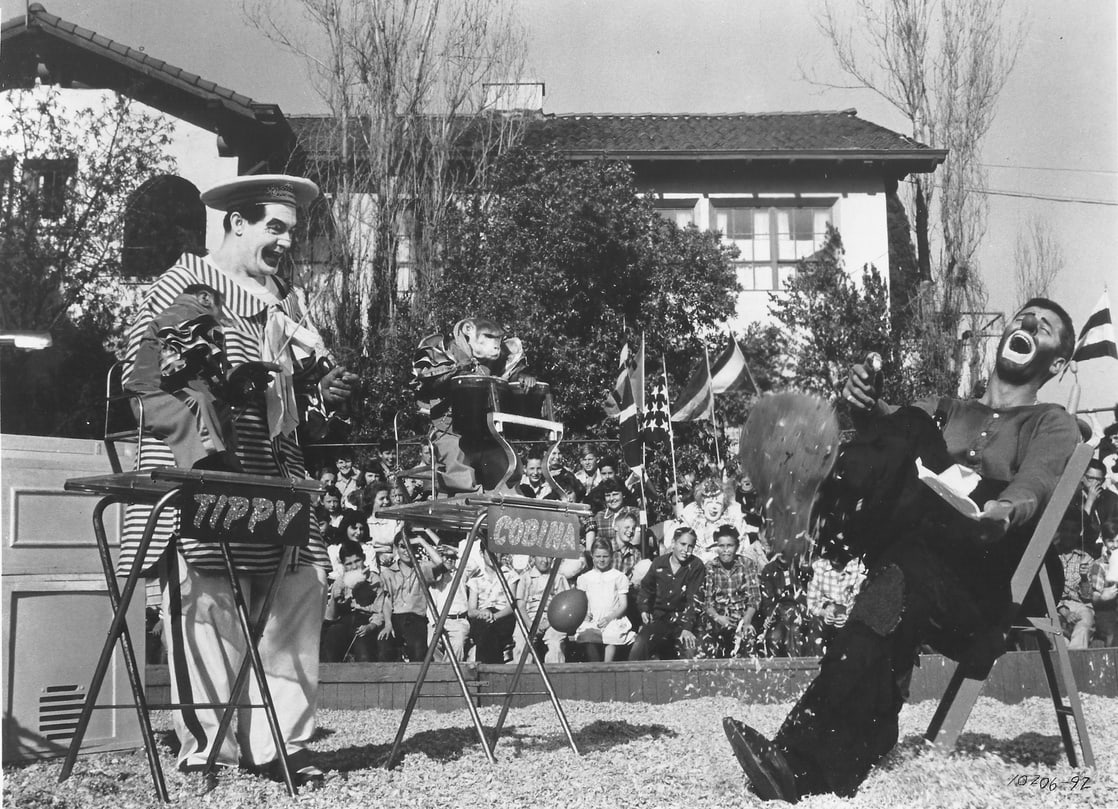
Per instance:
(1047,197)
(1046,168)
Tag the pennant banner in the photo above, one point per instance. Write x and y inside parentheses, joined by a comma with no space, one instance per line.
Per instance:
(730,373)
(626,402)
(696,401)
(1096,338)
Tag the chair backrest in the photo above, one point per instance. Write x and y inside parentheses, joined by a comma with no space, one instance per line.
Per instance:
(1041,540)
(123,424)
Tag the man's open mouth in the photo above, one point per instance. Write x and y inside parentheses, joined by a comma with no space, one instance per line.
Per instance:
(272,257)
(1020,348)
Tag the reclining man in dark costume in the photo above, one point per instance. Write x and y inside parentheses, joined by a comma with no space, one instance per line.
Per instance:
(474,346)
(935,576)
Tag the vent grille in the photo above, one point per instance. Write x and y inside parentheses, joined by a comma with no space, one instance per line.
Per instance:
(59,709)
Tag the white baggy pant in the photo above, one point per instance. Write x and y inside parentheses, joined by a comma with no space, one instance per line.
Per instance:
(205,646)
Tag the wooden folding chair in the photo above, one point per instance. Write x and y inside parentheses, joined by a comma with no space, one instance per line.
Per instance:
(962,692)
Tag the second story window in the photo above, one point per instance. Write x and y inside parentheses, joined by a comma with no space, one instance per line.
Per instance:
(680,211)
(771,239)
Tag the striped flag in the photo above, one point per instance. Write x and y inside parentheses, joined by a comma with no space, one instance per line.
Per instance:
(730,373)
(626,402)
(696,401)
(1096,339)
(657,418)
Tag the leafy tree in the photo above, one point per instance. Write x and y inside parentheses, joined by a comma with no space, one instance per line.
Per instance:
(832,321)
(71,172)
(573,260)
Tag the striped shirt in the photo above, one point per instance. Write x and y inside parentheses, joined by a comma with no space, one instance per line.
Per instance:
(244,315)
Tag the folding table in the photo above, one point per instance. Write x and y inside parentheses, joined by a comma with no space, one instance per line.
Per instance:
(172,487)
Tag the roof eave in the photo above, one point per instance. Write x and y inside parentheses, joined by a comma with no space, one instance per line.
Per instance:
(931,157)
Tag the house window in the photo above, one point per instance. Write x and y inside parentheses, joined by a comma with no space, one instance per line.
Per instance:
(680,211)
(47,180)
(771,240)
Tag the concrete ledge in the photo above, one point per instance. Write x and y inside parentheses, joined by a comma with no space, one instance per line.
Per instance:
(1017,676)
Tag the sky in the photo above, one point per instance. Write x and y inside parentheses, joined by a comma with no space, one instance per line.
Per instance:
(1055,134)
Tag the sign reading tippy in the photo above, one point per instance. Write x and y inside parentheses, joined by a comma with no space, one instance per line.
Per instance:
(219,511)
(534,532)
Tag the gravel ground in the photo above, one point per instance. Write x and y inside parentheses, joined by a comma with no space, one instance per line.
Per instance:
(634,755)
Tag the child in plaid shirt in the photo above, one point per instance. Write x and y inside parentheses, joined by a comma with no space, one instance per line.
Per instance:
(731,596)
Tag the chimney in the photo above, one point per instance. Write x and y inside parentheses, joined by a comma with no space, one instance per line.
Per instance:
(514,96)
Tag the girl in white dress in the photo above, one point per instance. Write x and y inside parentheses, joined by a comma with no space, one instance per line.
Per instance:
(607,594)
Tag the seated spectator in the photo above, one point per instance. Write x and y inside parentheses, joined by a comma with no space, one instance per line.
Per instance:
(830,596)
(1076,613)
(384,465)
(382,530)
(404,594)
(529,596)
(329,511)
(534,484)
(354,610)
(398,494)
(490,613)
(349,476)
(606,627)
(1104,587)
(328,476)
(588,474)
(731,597)
(631,550)
(457,620)
(711,510)
(351,526)
(783,600)
(596,496)
(756,541)
(613,495)
(371,477)
(670,600)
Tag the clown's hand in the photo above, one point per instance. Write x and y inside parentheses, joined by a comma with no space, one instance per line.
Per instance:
(248,380)
(337,386)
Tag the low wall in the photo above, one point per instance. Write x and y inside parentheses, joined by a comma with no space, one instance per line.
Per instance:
(1017,676)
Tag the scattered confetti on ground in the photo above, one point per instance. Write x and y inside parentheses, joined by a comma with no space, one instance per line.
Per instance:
(634,755)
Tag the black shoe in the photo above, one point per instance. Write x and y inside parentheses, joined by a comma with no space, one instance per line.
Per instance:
(764,765)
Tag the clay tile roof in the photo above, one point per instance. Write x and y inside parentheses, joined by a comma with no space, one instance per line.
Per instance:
(832,134)
(39,19)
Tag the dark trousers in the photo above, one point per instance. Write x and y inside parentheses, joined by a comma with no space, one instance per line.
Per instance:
(338,639)
(491,638)
(660,638)
(411,634)
(847,719)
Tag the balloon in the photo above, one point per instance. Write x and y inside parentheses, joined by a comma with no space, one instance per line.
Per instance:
(567,610)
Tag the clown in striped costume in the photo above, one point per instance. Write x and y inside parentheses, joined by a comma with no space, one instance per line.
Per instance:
(263,320)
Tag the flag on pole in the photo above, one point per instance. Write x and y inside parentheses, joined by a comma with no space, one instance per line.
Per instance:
(1096,338)
(730,372)
(622,402)
(657,418)
(696,401)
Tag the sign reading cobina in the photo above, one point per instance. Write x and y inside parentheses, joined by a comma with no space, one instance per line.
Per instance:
(219,511)
(533,531)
